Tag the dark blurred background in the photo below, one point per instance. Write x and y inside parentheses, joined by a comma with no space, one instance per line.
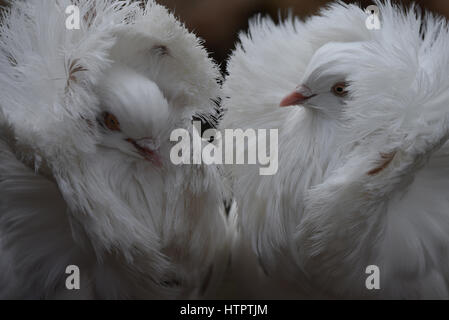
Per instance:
(219,21)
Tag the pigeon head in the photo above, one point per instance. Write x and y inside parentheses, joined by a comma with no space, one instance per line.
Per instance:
(324,86)
(133,115)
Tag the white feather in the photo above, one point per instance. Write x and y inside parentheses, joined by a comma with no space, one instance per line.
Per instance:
(74,192)
(322,219)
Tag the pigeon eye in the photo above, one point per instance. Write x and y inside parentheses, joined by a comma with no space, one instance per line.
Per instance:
(339,89)
(111,122)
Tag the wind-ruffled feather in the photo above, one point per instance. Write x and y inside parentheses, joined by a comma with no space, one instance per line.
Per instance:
(365,185)
(136,230)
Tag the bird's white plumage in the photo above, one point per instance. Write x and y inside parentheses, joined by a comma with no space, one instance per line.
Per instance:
(363,179)
(74,192)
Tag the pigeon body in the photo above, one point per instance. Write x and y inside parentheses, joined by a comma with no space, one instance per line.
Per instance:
(85,173)
(363,174)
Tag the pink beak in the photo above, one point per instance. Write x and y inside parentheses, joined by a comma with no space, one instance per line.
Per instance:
(147,148)
(297,97)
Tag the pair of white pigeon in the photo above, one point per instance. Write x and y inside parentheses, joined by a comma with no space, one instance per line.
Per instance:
(86,178)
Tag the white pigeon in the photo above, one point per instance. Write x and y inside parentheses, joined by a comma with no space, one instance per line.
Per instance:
(85,173)
(359,207)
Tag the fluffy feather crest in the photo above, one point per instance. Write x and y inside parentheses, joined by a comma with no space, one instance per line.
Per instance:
(398,97)
(160,231)
(49,72)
